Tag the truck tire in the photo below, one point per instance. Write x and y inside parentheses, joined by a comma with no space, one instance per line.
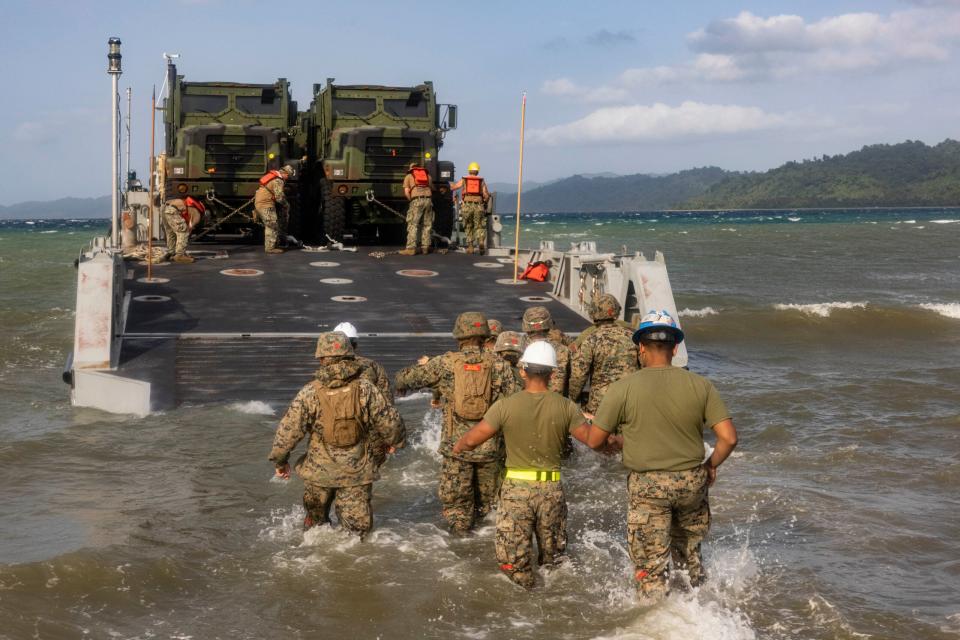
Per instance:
(334,215)
(443,215)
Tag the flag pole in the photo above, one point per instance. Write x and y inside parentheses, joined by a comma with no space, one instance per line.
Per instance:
(516,235)
(153,168)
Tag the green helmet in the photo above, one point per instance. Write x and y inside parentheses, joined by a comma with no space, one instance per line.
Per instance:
(511,341)
(333,344)
(496,327)
(471,324)
(605,307)
(537,319)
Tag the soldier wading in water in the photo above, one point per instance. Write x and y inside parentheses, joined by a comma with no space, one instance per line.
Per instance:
(661,411)
(469,381)
(534,424)
(351,425)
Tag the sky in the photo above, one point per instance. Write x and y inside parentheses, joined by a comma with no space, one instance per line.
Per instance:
(637,86)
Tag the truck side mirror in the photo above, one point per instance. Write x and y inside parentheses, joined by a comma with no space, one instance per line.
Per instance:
(451,116)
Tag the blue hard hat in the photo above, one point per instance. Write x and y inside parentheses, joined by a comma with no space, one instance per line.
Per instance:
(658,325)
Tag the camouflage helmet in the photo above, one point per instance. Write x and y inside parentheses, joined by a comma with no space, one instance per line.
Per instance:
(287,169)
(537,319)
(471,324)
(332,344)
(605,307)
(511,341)
(496,327)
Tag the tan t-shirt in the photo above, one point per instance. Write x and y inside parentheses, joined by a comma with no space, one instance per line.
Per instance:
(661,412)
(535,428)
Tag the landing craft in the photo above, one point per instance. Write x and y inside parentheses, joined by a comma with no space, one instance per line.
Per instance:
(240,325)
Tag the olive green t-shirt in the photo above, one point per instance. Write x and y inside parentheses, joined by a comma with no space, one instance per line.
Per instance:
(661,412)
(535,427)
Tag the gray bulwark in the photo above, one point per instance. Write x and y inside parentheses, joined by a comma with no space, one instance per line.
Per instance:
(252,338)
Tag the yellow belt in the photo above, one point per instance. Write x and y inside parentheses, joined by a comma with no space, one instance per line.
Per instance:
(533,476)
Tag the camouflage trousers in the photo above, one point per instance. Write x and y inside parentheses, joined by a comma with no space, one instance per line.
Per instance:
(474,215)
(468,491)
(419,223)
(352,505)
(526,510)
(274,225)
(668,515)
(176,230)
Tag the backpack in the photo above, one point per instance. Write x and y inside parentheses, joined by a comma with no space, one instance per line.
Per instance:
(340,415)
(472,387)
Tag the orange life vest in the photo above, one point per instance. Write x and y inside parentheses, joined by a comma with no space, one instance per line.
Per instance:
(473,186)
(269,177)
(536,271)
(420,177)
(196,204)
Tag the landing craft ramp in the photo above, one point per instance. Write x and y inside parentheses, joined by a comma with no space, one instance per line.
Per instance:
(241,325)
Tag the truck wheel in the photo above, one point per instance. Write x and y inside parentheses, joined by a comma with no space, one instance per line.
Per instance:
(334,215)
(443,215)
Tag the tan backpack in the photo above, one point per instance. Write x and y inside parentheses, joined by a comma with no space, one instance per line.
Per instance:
(472,387)
(340,415)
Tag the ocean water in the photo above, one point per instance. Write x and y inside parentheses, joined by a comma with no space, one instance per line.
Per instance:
(833,336)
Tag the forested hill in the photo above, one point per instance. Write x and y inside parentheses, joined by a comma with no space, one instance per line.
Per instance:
(883,175)
(620,193)
(62,208)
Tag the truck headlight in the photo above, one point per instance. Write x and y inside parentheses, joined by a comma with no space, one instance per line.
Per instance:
(338,172)
(444,174)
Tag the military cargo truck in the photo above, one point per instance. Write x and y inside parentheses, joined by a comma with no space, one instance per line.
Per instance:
(360,142)
(221,137)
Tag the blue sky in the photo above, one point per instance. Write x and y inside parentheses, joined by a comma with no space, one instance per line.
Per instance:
(628,87)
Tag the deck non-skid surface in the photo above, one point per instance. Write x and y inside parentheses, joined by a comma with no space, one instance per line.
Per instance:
(203,340)
(290,296)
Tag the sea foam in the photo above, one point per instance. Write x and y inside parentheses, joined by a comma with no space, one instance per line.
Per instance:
(697,313)
(821,309)
(254,407)
(948,309)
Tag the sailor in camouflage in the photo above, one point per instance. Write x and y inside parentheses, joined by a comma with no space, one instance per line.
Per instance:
(350,425)
(606,356)
(474,196)
(535,425)
(272,207)
(469,381)
(418,189)
(179,218)
(537,324)
(496,328)
(372,370)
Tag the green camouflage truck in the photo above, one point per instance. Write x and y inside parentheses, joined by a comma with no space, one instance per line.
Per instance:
(221,137)
(360,142)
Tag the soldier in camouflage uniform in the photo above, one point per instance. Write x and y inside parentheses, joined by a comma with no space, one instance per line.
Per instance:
(469,381)
(607,355)
(668,512)
(509,347)
(474,196)
(535,424)
(372,370)
(179,218)
(418,189)
(350,426)
(558,336)
(537,324)
(272,207)
(496,328)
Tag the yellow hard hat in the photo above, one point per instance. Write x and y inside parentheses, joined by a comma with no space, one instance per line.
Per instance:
(473,166)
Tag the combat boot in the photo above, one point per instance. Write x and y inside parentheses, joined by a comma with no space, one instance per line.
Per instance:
(482,250)
(274,250)
(182,259)
(407,252)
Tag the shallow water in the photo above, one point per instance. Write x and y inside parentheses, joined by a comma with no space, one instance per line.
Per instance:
(833,337)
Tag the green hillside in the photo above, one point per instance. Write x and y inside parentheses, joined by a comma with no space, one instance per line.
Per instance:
(883,175)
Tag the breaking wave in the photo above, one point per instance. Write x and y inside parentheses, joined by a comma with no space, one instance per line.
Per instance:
(697,313)
(254,407)
(947,309)
(821,309)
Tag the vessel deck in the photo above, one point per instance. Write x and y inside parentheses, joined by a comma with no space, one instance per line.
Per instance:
(223,338)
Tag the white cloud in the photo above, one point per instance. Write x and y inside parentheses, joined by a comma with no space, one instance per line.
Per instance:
(34,132)
(567,88)
(664,122)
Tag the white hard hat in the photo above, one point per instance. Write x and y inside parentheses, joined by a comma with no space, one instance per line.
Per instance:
(347,329)
(540,353)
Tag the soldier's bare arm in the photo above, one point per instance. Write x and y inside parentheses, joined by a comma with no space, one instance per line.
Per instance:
(726,443)
(480,433)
